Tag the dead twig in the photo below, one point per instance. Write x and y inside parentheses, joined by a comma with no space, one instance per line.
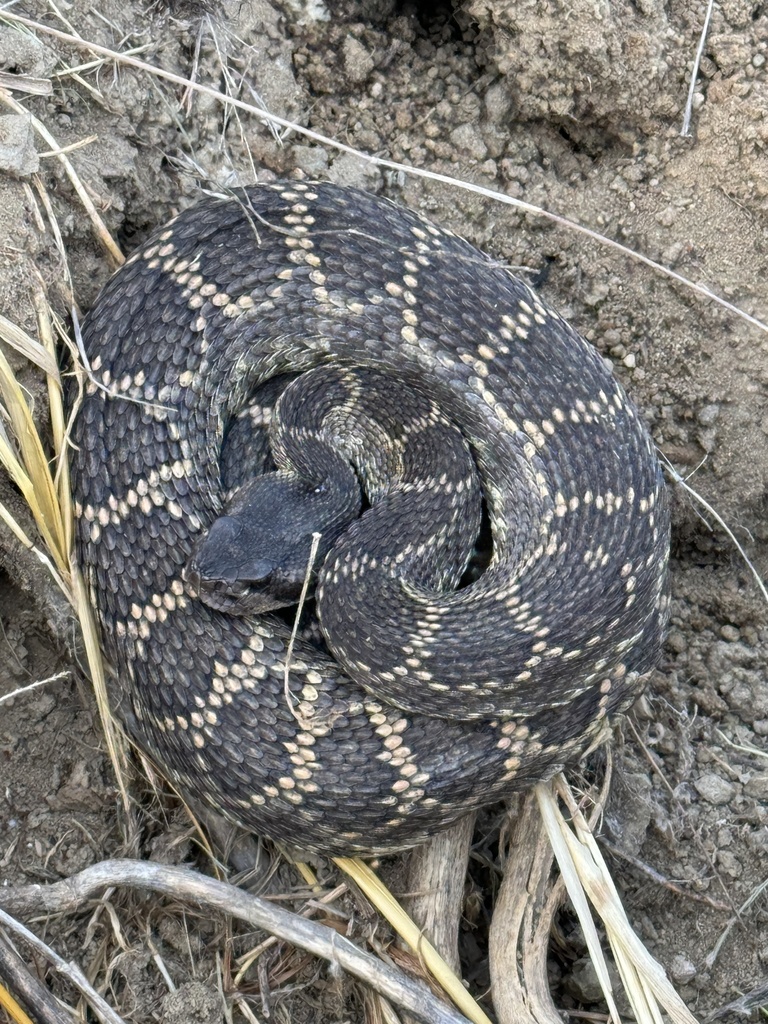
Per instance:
(70,971)
(33,994)
(518,942)
(437,872)
(661,879)
(179,883)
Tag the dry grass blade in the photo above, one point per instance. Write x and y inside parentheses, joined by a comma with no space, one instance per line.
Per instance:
(99,62)
(113,735)
(12,1008)
(33,686)
(686,129)
(388,906)
(26,83)
(80,144)
(28,346)
(586,874)
(16,528)
(557,831)
(48,497)
(27,465)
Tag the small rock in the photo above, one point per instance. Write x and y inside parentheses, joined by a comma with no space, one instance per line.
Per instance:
(667,216)
(757,787)
(714,789)
(17,145)
(708,415)
(730,863)
(467,139)
(582,982)
(730,633)
(192,1003)
(313,160)
(348,169)
(358,63)
(682,969)
(498,102)
(677,642)
(25,53)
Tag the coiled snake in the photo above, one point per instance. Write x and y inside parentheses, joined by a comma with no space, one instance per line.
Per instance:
(435,690)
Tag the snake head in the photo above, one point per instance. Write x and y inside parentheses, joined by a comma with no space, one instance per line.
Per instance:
(256,557)
(227,575)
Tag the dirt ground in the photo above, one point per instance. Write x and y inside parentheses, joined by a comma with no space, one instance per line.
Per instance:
(576,108)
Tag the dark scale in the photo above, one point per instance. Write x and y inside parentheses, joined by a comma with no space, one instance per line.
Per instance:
(307,361)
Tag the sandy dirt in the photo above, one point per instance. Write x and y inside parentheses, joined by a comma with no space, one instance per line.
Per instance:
(576,108)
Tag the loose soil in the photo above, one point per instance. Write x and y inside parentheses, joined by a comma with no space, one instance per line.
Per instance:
(576,108)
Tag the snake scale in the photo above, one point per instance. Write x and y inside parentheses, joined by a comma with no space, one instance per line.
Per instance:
(434,691)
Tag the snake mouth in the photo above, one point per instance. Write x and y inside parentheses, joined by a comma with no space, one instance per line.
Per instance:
(239,597)
(253,589)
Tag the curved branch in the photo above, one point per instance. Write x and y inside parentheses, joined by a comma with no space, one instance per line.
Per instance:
(180,883)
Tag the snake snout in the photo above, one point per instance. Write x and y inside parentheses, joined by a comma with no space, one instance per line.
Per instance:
(223,556)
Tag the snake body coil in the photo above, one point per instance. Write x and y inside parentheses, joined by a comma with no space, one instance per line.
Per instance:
(436,699)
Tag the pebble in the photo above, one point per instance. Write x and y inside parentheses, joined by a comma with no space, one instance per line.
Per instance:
(682,969)
(708,415)
(582,982)
(714,789)
(348,169)
(358,63)
(757,787)
(17,145)
(730,863)
(677,642)
(467,139)
(313,160)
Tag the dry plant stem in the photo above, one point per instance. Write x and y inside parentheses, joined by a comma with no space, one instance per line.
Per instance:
(519,933)
(685,131)
(25,83)
(32,993)
(383,900)
(178,883)
(587,878)
(71,971)
(33,686)
(436,874)
(742,1007)
(660,879)
(419,172)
